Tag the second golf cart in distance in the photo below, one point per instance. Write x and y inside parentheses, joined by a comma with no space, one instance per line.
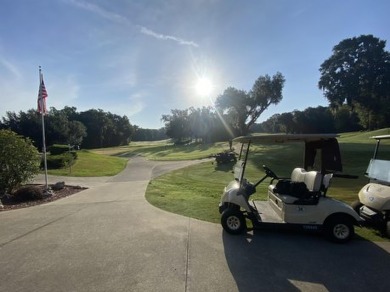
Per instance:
(298,202)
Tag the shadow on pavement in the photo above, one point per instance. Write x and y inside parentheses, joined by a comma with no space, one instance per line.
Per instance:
(264,260)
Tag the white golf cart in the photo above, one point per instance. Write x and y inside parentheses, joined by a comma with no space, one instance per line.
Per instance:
(374,197)
(299,202)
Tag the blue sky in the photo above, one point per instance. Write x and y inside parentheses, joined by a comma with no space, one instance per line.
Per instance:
(143,58)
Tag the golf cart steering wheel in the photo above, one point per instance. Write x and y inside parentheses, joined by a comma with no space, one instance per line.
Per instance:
(269,172)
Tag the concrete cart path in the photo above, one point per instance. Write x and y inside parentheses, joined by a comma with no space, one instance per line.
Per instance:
(108,238)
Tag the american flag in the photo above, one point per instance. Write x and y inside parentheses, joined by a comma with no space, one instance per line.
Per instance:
(42,95)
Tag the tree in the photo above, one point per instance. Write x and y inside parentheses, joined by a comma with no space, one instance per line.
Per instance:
(358,74)
(27,124)
(121,130)
(177,125)
(56,127)
(105,129)
(287,122)
(202,122)
(346,120)
(19,161)
(244,108)
(76,132)
(232,105)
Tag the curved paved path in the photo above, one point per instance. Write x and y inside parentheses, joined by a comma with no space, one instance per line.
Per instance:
(108,238)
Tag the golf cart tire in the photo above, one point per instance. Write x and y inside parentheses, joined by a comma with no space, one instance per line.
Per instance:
(233,221)
(356,205)
(339,228)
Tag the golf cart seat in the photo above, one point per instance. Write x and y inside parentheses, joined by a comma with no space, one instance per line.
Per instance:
(303,187)
(312,179)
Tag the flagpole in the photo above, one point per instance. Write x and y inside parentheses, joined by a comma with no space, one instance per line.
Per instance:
(43,128)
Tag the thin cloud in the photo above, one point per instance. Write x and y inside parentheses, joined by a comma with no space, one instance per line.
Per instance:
(123,20)
(151,33)
(10,67)
(99,11)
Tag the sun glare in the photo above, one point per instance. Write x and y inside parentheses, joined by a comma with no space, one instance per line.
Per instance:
(204,86)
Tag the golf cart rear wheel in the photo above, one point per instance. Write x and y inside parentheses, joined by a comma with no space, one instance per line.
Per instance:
(339,229)
(233,221)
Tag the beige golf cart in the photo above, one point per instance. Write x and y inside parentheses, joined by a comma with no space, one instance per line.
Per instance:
(298,202)
(374,197)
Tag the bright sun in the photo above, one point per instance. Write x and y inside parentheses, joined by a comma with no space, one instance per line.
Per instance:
(204,86)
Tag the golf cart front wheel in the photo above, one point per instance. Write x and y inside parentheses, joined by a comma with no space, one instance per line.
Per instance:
(339,230)
(233,221)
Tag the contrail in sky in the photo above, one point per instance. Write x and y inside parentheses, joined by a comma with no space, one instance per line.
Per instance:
(111,16)
(149,32)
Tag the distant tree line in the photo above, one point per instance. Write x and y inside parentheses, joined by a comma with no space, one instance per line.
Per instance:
(89,129)
(312,120)
(141,134)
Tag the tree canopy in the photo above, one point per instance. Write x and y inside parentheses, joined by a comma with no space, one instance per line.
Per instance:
(89,129)
(358,74)
(244,108)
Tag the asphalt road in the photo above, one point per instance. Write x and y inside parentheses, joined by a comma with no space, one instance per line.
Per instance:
(108,238)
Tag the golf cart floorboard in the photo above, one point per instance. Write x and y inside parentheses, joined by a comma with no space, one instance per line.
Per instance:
(267,214)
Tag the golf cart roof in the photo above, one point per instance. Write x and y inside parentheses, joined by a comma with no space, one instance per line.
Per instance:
(325,144)
(282,138)
(381,137)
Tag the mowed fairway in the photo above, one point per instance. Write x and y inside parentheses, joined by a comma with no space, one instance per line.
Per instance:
(195,191)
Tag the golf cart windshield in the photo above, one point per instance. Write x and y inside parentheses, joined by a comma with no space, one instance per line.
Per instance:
(379,169)
(325,145)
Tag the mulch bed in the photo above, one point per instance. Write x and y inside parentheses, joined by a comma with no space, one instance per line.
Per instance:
(9,202)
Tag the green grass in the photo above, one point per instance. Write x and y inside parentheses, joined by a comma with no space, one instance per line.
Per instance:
(195,191)
(92,164)
(192,191)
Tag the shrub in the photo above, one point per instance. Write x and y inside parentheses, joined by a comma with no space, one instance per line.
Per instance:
(19,161)
(60,161)
(58,149)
